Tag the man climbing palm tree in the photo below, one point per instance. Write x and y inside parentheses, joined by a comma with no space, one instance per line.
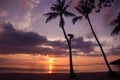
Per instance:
(60,10)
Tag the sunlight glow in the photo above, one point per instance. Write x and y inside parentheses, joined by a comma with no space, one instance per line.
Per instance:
(50,68)
(50,60)
(50,65)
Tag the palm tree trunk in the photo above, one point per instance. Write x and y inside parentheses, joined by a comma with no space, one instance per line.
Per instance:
(104,56)
(72,74)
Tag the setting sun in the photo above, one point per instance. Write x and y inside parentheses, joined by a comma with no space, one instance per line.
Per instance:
(50,60)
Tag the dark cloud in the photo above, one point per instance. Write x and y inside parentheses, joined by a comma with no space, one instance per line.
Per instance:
(83,46)
(13,41)
(115,51)
(10,36)
(78,45)
(95,54)
(89,35)
(58,44)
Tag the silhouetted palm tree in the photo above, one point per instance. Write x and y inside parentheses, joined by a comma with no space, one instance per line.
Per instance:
(59,10)
(85,7)
(103,3)
(116,23)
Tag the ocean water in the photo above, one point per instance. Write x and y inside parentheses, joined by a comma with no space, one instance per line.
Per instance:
(58,69)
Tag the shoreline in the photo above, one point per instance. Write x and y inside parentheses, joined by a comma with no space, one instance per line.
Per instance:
(56,76)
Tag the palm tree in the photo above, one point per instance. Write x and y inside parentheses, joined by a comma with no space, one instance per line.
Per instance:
(116,23)
(85,7)
(59,10)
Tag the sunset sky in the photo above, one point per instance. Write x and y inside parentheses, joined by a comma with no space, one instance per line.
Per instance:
(30,41)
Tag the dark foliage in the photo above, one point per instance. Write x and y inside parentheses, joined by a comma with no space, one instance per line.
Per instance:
(116,23)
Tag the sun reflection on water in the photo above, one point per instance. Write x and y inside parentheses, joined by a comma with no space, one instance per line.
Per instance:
(50,65)
(50,68)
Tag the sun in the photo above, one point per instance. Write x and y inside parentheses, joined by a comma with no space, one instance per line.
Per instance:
(50,60)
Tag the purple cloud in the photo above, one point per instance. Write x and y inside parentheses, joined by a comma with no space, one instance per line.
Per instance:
(115,51)
(15,41)
(83,46)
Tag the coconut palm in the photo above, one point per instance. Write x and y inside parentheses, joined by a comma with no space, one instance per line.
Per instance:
(59,9)
(85,7)
(116,23)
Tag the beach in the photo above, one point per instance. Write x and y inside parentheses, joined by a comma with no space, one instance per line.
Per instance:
(56,76)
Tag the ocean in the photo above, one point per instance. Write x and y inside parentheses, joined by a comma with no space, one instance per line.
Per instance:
(58,69)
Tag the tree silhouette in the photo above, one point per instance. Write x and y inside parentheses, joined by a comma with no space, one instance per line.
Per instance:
(85,7)
(116,23)
(59,9)
(103,3)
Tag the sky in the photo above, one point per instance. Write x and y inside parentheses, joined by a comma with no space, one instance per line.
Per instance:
(29,37)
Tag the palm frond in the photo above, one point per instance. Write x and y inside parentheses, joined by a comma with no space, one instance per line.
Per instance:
(80,10)
(75,19)
(116,23)
(67,5)
(85,7)
(63,3)
(91,4)
(56,7)
(58,2)
(116,30)
(59,9)
(68,14)
(92,1)
(62,22)
(51,15)
(53,8)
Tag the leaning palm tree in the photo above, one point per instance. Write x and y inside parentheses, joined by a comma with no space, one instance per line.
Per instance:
(116,23)
(60,10)
(85,7)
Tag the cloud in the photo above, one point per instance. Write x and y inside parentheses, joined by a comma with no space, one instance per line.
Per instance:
(78,46)
(18,12)
(14,41)
(58,44)
(83,46)
(3,13)
(23,23)
(26,4)
(89,35)
(115,50)
(35,1)
(14,6)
